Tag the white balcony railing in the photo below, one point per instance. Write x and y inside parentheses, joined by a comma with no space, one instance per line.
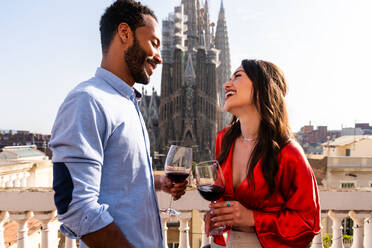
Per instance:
(14,174)
(20,204)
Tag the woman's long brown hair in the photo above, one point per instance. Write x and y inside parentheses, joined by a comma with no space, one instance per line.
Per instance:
(269,90)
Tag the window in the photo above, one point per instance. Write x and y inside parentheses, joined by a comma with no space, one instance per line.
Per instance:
(347,152)
(173,245)
(347,185)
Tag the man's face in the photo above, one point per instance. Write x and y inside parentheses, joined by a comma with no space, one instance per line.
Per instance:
(144,54)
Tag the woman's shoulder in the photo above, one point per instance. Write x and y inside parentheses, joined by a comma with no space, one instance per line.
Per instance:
(292,151)
(222,132)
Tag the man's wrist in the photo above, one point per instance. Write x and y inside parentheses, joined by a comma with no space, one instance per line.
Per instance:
(110,234)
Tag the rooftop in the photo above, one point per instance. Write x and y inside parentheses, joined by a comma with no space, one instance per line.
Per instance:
(346,140)
(23,151)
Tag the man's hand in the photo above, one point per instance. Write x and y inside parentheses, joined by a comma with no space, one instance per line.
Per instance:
(109,236)
(165,184)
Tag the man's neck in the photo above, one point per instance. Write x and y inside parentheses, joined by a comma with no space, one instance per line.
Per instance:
(117,67)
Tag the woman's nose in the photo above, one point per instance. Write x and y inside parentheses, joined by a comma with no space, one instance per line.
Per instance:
(227,84)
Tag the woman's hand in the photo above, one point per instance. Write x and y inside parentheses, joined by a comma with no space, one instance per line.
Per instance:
(207,223)
(233,214)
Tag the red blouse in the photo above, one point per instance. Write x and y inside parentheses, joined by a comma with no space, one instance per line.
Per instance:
(291,216)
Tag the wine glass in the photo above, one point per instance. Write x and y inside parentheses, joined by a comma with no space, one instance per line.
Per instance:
(177,167)
(211,184)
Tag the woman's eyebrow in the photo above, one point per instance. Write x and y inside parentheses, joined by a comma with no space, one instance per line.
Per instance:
(237,72)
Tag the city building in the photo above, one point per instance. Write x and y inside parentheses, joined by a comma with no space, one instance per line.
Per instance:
(25,138)
(349,162)
(22,153)
(358,129)
(311,139)
(346,164)
(366,128)
(349,146)
(196,63)
(25,176)
(351,131)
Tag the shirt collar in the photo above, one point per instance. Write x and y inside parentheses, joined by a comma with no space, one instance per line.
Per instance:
(118,84)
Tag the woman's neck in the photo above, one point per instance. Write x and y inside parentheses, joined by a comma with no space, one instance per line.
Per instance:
(250,124)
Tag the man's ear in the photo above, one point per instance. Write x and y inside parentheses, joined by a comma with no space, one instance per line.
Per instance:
(124,32)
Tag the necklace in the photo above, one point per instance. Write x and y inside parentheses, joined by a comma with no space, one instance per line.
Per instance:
(248,139)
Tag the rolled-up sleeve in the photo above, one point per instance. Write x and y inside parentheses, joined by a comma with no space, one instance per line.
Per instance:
(78,139)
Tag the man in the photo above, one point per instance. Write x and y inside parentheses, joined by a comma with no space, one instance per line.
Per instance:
(103,182)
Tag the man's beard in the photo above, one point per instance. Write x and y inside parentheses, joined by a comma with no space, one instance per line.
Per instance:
(135,58)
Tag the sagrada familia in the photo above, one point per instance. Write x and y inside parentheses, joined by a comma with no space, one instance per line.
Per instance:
(196,63)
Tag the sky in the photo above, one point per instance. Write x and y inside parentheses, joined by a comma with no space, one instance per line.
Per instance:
(324,48)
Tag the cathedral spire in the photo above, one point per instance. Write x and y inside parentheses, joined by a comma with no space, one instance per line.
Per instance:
(192,10)
(222,9)
(207,25)
(222,44)
(189,71)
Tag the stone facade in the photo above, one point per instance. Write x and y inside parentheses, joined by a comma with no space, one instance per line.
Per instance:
(190,107)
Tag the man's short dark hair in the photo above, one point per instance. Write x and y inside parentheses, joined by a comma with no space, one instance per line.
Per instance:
(128,11)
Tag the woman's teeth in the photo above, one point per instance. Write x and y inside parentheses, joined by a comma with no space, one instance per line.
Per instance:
(230,93)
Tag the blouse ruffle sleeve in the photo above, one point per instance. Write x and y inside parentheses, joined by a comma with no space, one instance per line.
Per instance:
(299,219)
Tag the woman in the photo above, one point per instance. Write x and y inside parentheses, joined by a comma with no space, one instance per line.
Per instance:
(271,198)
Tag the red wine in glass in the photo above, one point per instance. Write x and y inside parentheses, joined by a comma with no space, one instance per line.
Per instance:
(211,184)
(211,192)
(177,177)
(177,168)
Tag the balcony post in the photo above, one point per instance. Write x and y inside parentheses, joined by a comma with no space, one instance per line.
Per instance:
(45,217)
(205,240)
(368,231)
(3,217)
(358,219)
(10,182)
(2,181)
(317,240)
(337,240)
(184,230)
(24,179)
(164,226)
(21,218)
(17,180)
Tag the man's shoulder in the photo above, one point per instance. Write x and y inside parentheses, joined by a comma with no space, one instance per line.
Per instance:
(94,88)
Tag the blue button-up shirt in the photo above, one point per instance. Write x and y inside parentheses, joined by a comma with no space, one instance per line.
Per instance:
(102,170)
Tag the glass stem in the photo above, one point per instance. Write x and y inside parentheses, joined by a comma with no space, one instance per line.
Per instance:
(171,203)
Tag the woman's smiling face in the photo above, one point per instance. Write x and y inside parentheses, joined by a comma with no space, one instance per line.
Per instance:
(238,91)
